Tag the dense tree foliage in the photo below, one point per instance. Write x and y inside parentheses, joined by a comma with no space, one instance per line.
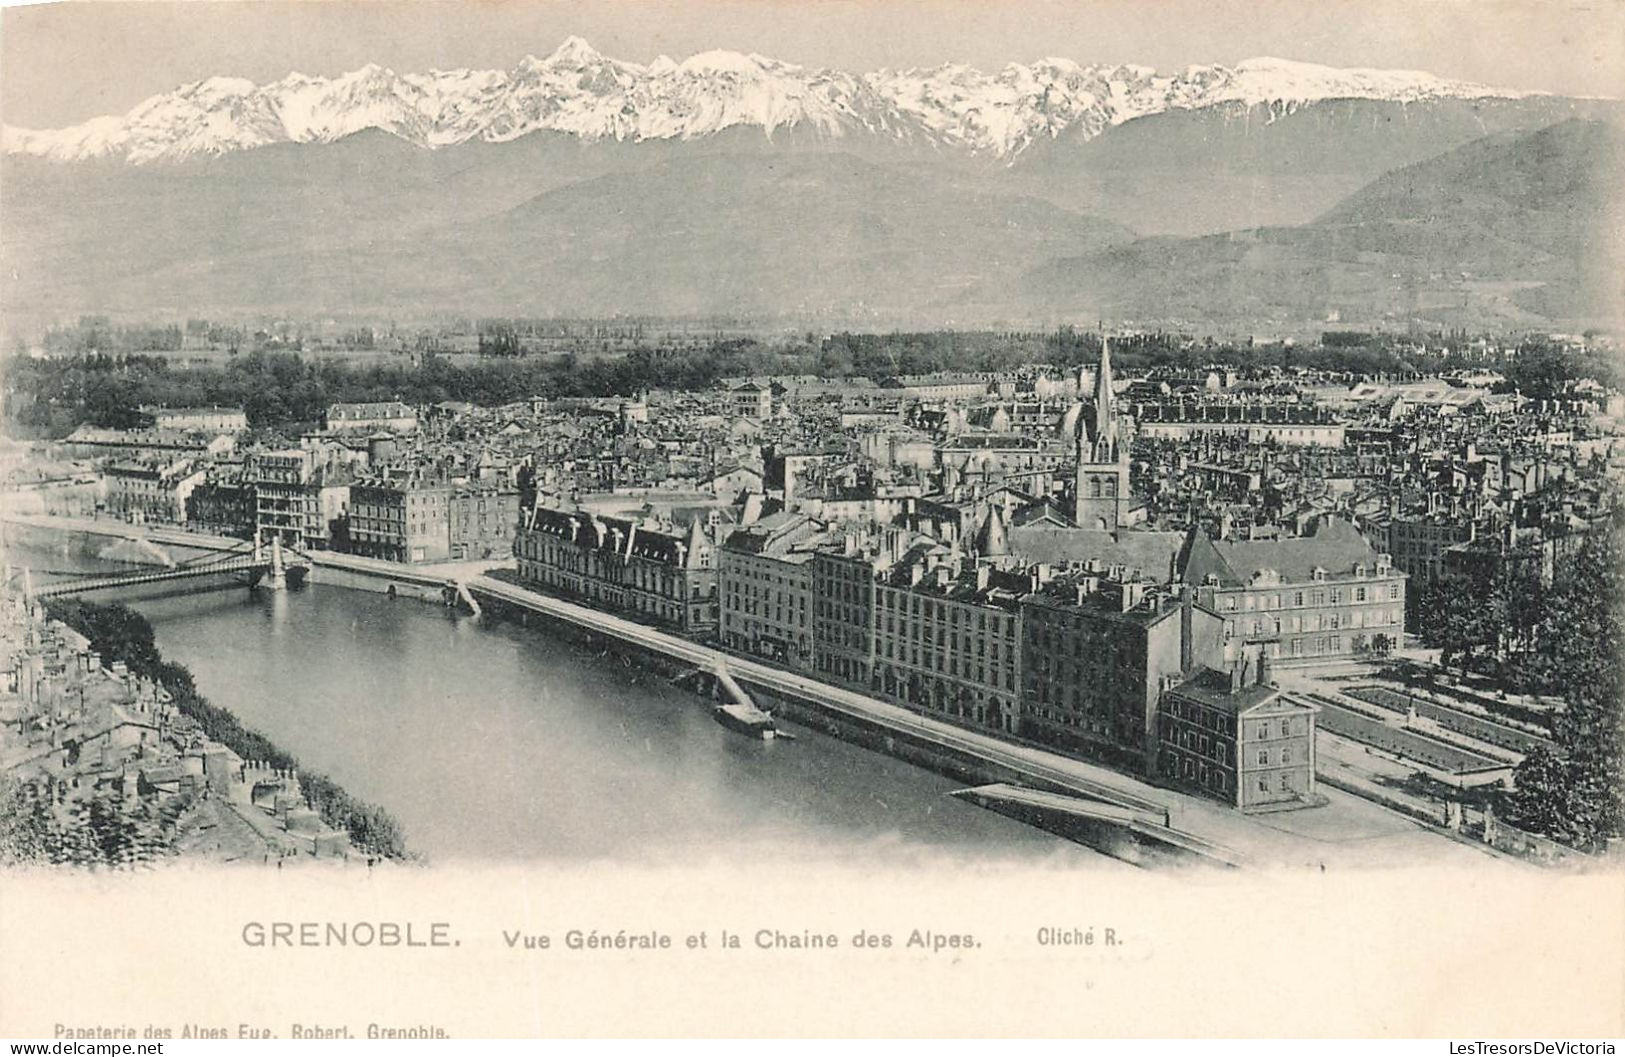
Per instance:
(1542,371)
(1577,795)
(120,633)
(1490,624)
(49,397)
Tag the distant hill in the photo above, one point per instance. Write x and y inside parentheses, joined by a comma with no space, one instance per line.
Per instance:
(1521,228)
(712,232)
(1233,167)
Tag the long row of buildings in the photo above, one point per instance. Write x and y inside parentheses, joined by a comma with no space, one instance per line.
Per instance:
(1161,669)
(1105,662)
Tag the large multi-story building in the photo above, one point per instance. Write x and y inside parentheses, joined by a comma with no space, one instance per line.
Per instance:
(400,520)
(1099,645)
(1291,425)
(751,400)
(649,569)
(998,456)
(297,497)
(223,504)
(482,518)
(947,638)
(843,576)
(1306,600)
(152,489)
(1418,544)
(416,519)
(1236,738)
(198,419)
(764,577)
(92,442)
(391,415)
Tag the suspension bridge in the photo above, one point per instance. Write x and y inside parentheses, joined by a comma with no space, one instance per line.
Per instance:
(253,564)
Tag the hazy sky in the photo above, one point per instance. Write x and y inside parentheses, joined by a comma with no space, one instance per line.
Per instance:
(62,63)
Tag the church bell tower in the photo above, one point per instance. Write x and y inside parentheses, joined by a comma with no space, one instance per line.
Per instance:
(1100,482)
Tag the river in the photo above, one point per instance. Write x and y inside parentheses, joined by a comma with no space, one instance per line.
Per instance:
(499,742)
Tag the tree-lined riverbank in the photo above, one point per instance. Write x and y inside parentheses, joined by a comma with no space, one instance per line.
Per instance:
(119,633)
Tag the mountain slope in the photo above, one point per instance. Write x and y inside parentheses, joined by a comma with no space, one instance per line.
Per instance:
(748,233)
(1230,167)
(1517,228)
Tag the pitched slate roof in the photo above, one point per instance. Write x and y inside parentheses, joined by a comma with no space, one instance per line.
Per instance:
(1152,553)
(1335,547)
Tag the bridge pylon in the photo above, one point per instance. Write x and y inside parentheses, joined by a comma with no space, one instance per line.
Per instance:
(276,578)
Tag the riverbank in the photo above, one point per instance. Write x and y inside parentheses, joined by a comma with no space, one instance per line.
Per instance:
(121,635)
(1160,824)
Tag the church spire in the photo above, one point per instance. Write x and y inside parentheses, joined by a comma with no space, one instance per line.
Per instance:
(1105,423)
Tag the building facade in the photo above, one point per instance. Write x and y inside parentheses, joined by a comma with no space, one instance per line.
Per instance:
(1418,544)
(1099,646)
(297,498)
(1308,600)
(751,400)
(947,639)
(152,489)
(843,578)
(482,519)
(653,571)
(391,415)
(198,419)
(765,584)
(222,506)
(400,521)
(1288,425)
(1235,738)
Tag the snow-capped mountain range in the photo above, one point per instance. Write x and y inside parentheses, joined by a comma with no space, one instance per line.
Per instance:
(578,91)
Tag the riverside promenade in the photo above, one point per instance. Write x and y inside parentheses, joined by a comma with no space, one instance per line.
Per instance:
(1343,833)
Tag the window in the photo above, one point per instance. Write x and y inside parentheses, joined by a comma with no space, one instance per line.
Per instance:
(1264,757)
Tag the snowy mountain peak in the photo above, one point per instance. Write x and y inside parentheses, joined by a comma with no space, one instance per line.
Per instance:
(574,52)
(579,91)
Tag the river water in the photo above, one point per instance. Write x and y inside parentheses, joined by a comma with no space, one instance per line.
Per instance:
(499,742)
